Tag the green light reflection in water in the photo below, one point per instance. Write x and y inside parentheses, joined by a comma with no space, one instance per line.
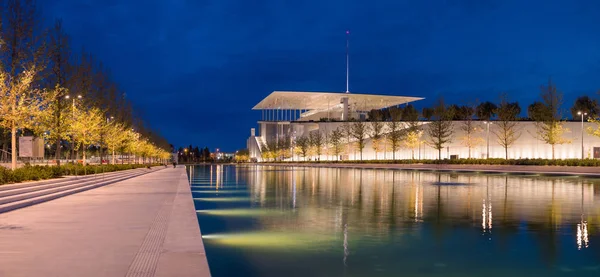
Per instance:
(242,212)
(273,240)
(224,199)
(219,191)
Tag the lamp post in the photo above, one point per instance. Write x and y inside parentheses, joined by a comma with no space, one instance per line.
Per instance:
(582,114)
(487,153)
(108,119)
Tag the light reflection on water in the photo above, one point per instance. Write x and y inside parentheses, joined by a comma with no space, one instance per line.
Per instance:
(284,221)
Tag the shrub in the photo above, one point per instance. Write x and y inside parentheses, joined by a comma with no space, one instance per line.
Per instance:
(539,162)
(38,172)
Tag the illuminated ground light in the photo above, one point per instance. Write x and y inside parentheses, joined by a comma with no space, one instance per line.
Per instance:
(273,240)
(224,199)
(242,212)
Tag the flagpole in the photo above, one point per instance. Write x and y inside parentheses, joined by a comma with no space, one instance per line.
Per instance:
(347,61)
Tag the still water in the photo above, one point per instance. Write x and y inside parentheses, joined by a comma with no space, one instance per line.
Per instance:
(296,221)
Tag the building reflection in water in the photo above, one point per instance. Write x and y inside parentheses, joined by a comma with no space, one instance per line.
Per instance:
(387,202)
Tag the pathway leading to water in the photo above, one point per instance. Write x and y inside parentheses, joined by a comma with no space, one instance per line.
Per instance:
(144,226)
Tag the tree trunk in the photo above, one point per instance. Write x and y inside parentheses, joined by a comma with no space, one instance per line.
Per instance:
(83,154)
(506,153)
(113,156)
(440,154)
(553,151)
(469,152)
(13,139)
(57,155)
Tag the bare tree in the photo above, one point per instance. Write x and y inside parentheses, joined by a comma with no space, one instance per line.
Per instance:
(395,133)
(335,139)
(376,130)
(302,146)
(507,131)
(471,139)
(549,125)
(440,127)
(315,139)
(359,132)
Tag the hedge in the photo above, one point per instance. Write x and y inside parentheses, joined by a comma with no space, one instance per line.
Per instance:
(38,172)
(565,162)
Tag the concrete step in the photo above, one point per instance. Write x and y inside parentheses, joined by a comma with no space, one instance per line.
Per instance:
(19,201)
(62,179)
(51,190)
(58,182)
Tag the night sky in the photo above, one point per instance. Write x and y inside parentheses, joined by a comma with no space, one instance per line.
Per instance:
(196,68)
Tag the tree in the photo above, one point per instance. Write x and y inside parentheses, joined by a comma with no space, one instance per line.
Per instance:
(315,139)
(242,155)
(57,118)
(86,128)
(376,130)
(283,147)
(395,133)
(585,104)
(347,131)
(507,131)
(471,139)
(413,141)
(302,146)
(548,123)
(428,113)
(116,137)
(359,132)
(440,128)
(486,110)
(413,133)
(21,52)
(335,139)
(20,104)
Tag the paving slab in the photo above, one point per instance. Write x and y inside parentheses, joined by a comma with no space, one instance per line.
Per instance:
(144,226)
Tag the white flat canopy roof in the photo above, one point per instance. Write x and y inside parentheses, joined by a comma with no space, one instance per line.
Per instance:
(299,100)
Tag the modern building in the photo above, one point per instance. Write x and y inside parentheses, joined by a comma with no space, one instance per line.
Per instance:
(289,115)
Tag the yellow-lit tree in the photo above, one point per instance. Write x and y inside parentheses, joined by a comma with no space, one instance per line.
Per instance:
(20,104)
(116,137)
(412,141)
(86,128)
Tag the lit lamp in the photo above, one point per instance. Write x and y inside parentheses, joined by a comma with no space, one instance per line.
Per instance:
(582,114)
(487,123)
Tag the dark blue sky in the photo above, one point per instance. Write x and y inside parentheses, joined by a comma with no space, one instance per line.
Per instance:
(196,68)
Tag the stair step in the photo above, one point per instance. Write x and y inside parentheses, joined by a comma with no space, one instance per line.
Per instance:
(44,198)
(58,180)
(66,182)
(22,196)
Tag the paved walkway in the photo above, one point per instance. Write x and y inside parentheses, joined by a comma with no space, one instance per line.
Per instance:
(145,226)
(532,169)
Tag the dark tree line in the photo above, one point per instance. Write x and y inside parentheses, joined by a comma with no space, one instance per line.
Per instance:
(194,154)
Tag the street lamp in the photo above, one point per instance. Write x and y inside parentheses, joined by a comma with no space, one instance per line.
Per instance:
(487,123)
(582,114)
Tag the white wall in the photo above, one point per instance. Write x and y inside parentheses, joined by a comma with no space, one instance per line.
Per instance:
(527,146)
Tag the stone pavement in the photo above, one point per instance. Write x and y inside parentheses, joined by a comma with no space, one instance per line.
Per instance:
(144,226)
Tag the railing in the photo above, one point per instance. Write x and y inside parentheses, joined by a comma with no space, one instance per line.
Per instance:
(8,156)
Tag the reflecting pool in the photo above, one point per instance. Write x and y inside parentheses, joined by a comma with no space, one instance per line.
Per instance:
(300,221)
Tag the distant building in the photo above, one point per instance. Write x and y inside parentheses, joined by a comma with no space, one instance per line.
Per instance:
(290,115)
